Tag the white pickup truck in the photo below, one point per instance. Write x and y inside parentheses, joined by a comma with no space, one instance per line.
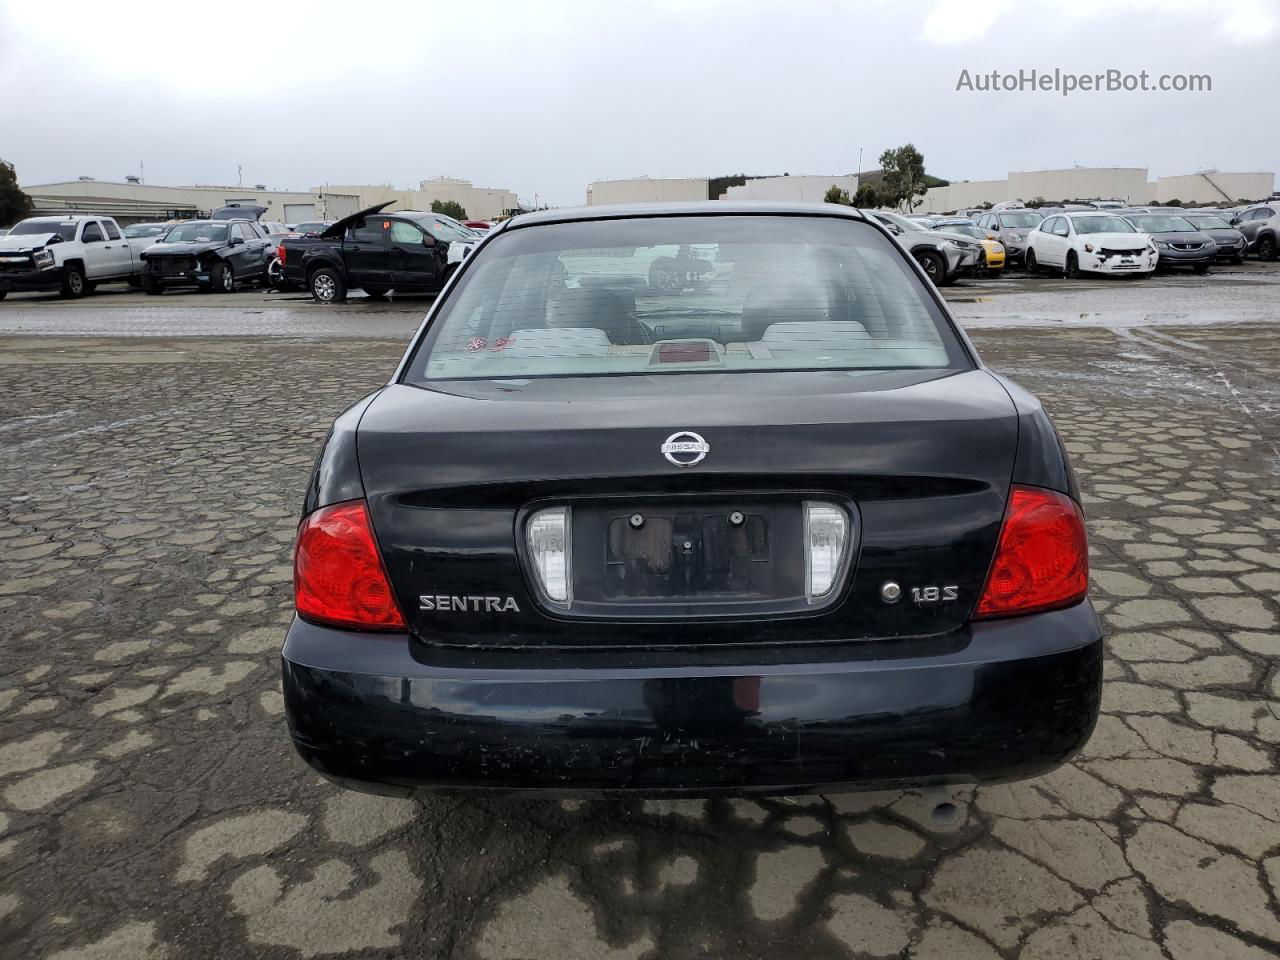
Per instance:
(69,254)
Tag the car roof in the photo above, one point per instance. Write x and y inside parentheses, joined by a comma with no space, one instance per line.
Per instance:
(688,208)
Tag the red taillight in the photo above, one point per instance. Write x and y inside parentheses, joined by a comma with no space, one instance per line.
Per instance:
(338,577)
(280,254)
(1042,559)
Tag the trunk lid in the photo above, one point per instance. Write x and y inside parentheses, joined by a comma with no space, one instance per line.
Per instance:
(921,460)
(335,230)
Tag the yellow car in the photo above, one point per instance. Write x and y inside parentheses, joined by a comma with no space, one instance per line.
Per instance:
(993,248)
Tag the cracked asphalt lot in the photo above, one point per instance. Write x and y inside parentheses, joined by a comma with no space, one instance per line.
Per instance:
(151,805)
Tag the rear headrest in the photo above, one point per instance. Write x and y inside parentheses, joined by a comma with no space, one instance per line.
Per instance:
(782,303)
(814,335)
(605,308)
(560,342)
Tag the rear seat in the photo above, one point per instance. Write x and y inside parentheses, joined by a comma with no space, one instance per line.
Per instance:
(560,342)
(810,335)
(610,309)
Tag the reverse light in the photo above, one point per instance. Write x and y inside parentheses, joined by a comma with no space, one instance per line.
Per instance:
(547,535)
(338,576)
(1042,558)
(826,534)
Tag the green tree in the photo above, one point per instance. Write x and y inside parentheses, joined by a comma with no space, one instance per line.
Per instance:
(866,196)
(14,204)
(903,184)
(838,195)
(450,208)
(1035,203)
(1175,202)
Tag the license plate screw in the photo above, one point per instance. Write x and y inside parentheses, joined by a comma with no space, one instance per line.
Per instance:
(637,521)
(737,519)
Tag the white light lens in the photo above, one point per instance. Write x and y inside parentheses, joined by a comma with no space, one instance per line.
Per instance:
(548,537)
(826,532)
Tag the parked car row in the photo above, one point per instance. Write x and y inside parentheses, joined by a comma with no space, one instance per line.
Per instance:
(234,246)
(415,251)
(1108,237)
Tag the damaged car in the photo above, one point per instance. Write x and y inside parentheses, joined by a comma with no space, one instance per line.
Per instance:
(211,255)
(406,251)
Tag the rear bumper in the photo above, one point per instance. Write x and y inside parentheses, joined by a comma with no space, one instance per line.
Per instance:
(1005,700)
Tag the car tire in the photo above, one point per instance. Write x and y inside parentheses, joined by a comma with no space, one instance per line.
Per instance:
(326,286)
(1266,248)
(74,286)
(376,293)
(274,275)
(934,266)
(1029,263)
(222,278)
(1072,269)
(152,286)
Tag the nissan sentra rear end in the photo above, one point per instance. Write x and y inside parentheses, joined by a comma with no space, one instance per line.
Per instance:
(764,524)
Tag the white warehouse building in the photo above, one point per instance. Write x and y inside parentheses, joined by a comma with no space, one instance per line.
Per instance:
(647,190)
(480,203)
(805,189)
(130,200)
(1129,184)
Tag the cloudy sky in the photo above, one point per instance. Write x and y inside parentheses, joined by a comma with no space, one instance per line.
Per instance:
(544,97)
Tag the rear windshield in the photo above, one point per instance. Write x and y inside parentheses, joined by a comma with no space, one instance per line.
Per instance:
(708,294)
(144,230)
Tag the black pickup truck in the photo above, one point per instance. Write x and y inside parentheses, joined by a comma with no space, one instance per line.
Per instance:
(407,251)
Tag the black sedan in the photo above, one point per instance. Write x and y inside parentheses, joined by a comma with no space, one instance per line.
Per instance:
(781,532)
(211,255)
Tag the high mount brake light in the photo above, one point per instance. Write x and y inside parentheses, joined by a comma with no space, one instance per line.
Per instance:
(338,576)
(1042,558)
